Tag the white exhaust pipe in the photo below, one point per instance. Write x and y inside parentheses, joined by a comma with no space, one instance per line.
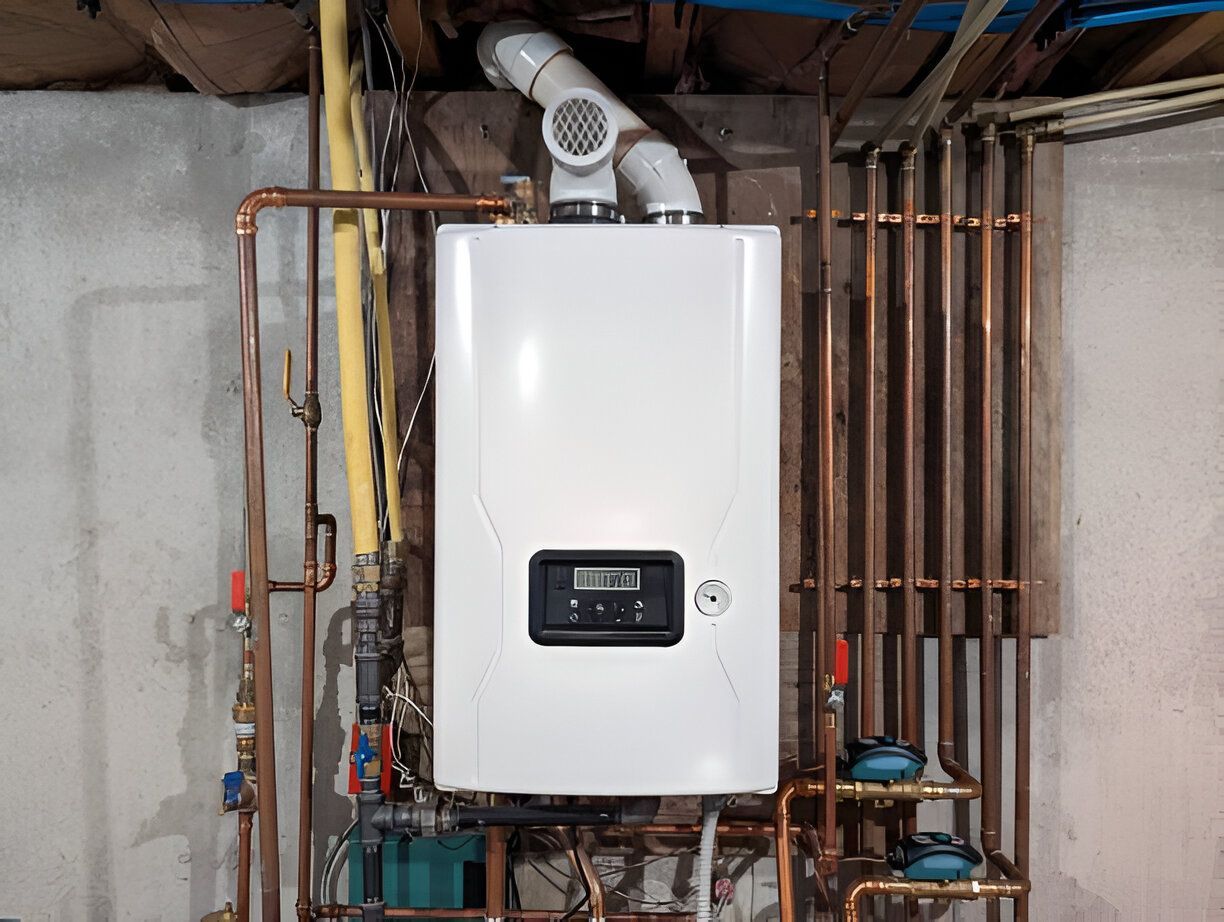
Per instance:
(536,62)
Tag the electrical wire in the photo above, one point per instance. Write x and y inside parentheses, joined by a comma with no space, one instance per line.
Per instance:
(398,124)
(399,461)
(337,850)
(400,702)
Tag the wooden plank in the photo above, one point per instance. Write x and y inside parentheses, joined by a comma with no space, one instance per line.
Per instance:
(667,41)
(415,35)
(1153,52)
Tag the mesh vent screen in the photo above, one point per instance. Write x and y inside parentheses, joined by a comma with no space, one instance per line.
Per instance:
(579,126)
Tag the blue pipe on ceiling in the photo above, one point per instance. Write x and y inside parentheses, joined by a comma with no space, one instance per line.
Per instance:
(944,17)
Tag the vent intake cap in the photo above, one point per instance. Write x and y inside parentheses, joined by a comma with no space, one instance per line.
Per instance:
(580,131)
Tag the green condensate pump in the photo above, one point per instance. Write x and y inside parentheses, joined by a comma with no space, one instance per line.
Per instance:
(441,873)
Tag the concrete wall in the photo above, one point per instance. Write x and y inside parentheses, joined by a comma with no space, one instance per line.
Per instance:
(122,489)
(119,371)
(1134,686)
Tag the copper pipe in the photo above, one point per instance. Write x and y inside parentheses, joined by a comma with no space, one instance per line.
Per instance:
(257,533)
(257,544)
(890,37)
(989,717)
(310,417)
(1024,597)
(867,661)
(586,872)
(946,746)
(544,915)
(325,574)
(907,791)
(910,728)
(930,890)
(782,847)
(845,789)
(277,197)
(244,866)
(1016,42)
(334,911)
(495,872)
(827,618)
(1005,865)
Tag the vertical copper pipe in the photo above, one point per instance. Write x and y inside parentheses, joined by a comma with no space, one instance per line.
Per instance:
(495,872)
(910,728)
(585,869)
(1024,621)
(909,594)
(256,505)
(245,817)
(867,679)
(989,724)
(947,717)
(310,575)
(257,550)
(244,866)
(828,596)
(787,792)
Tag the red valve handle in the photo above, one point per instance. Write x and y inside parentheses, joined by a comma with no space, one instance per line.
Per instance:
(238,590)
(841,667)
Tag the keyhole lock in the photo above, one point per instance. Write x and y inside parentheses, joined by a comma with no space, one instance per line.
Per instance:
(713,598)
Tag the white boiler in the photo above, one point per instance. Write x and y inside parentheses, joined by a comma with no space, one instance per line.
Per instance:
(606,560)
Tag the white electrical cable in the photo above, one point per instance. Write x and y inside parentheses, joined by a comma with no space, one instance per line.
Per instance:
(399,461)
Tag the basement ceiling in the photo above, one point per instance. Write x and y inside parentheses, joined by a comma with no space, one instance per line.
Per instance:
(222,49)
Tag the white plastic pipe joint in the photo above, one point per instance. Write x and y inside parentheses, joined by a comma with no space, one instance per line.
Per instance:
(524,56)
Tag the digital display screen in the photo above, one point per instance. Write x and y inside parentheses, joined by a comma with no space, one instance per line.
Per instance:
(607,578)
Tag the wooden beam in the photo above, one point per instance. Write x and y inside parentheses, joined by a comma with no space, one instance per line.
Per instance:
(412,28)
(1155,51)
(667,41)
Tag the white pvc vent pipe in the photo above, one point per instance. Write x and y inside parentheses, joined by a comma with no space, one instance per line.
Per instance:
(540,65)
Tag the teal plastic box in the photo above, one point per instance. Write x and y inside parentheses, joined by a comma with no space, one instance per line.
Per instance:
(427,873)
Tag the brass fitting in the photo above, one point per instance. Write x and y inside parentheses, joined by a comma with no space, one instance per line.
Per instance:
(222,915)
(974,889)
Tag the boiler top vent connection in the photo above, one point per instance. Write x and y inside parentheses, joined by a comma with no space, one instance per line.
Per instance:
(580,133)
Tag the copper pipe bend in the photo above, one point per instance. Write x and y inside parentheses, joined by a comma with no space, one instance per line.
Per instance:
(277,197)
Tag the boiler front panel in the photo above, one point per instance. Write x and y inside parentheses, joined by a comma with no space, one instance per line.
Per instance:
(607,443)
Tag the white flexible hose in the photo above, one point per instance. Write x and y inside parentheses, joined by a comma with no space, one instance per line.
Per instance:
(711,807)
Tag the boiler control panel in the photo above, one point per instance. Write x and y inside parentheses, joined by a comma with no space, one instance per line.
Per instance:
(606,598)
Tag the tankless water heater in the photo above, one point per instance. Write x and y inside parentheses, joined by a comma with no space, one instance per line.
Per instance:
(606,559)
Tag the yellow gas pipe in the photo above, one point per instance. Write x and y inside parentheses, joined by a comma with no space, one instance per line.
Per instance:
(346,237)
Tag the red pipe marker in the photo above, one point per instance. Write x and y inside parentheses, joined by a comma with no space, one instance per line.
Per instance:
(238,590)
(841,667)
